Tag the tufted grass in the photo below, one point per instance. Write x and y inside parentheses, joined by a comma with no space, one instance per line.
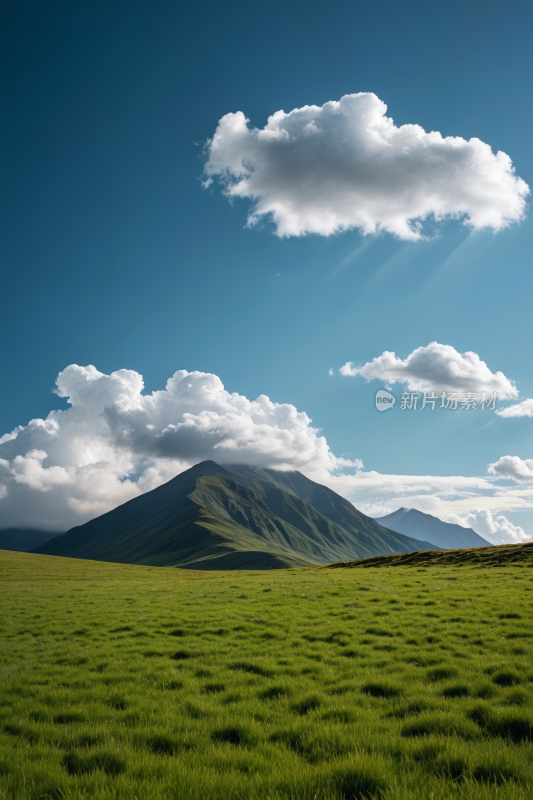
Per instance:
(121,681)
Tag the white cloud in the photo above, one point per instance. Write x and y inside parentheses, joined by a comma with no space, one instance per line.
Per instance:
(29,470)
(437,368)
(48,426)
(115,443)
(496,529)
(375,509)
(512,467)
(438,495)
(344,165)
(433,494)
(523,409)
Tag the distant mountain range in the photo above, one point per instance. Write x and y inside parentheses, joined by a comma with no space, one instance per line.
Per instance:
(236,518)
(23,540)
(445,535)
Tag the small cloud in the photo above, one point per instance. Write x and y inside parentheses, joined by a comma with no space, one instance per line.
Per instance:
(437,368)
(349,370)
(523,409)
(512,468)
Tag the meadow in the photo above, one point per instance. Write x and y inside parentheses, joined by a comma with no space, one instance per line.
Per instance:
(409,681)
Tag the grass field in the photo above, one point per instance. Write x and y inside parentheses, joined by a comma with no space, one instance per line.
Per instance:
(123,681)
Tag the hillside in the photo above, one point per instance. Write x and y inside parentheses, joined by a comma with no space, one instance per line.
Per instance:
(237,518)
(500,555)
(447,535)
(279,489)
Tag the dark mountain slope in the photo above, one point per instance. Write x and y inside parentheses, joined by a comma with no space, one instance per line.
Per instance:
(164,527)
(415,523)
(23,539)
(211,518)
(331,506)
(283,521)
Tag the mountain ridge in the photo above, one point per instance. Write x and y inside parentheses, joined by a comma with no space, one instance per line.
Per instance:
(210,516)
(447,535)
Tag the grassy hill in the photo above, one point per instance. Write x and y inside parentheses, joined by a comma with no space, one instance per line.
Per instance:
(241,518)
(120,681)
(494,556)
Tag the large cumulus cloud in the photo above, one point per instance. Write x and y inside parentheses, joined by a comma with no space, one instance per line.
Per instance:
(438,368)
(115,443)
(343,165)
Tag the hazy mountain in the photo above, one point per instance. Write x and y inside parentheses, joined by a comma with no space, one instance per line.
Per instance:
(446,535)
(24,540)
(236,518)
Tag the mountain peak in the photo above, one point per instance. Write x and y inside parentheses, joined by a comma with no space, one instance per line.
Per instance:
(209,517)
(419,525)
(203,468)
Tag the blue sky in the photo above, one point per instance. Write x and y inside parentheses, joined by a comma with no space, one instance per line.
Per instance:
(114,255)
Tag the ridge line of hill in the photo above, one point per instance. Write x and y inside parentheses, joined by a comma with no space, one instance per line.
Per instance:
(500,555)
(209,516)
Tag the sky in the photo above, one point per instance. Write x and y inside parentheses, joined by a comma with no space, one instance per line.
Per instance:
(269,214)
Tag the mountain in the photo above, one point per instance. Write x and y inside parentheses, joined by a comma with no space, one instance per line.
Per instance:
(445,535)
(236,518)
(24,540)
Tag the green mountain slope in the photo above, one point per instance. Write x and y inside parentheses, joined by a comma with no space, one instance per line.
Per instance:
(369,537)
(241,518)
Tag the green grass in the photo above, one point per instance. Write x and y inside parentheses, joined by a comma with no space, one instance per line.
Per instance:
(121,681)
(493,556)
